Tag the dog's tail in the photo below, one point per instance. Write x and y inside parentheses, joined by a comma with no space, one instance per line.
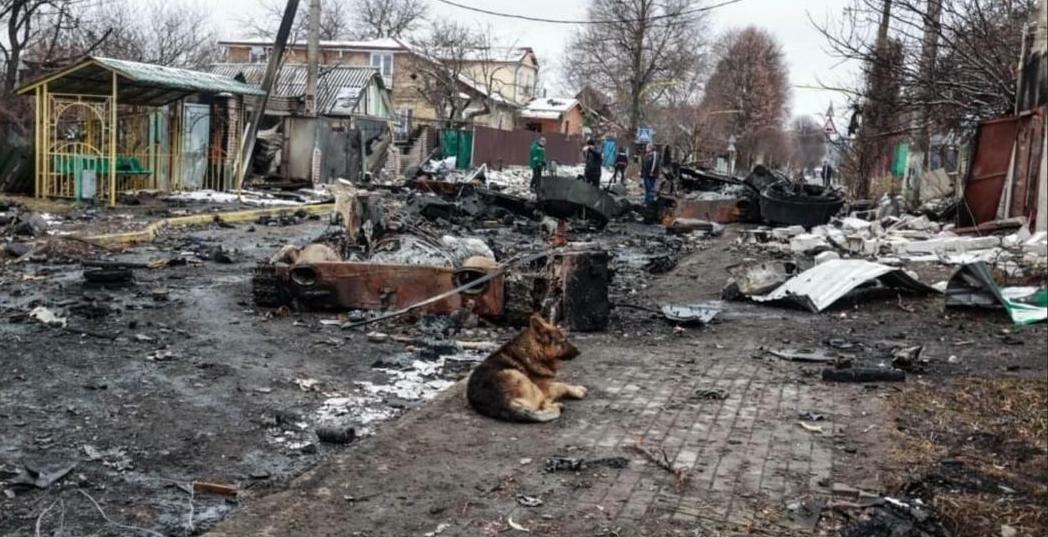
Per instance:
(520,412)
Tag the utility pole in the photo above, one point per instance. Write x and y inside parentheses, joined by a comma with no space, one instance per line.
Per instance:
(247,143)
(312,58)
(874,113)
(929,52)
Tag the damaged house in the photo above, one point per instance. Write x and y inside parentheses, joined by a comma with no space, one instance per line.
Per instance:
(508,76)
(104,126)
(501,79)
(348,140)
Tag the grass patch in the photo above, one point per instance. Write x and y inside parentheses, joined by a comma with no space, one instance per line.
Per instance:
(976,450)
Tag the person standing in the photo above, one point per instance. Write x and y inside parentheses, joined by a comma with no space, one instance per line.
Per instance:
(649,172)
(827,174)
(593,159)
(537,160)
(622,161)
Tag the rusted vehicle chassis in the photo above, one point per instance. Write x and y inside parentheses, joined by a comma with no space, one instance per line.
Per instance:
(369,286)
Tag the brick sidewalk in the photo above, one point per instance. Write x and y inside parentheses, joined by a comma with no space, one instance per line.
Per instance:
(746,454)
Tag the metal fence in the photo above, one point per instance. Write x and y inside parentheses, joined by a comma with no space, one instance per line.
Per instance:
(500,148)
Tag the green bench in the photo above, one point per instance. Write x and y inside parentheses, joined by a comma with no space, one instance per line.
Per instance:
(74,164)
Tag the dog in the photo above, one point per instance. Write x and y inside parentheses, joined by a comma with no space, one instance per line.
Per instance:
(516,383)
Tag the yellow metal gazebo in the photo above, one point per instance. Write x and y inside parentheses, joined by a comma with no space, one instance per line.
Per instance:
(105,126)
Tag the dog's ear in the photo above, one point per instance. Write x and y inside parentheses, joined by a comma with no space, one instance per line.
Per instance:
(540,328)
(538,324)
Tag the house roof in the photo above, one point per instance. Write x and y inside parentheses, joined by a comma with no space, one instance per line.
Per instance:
(368,44)
(138,83)
(339,88)
(548,108)
(497,54)
(494,54)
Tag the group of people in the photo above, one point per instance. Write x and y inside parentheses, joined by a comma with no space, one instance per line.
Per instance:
(593,159)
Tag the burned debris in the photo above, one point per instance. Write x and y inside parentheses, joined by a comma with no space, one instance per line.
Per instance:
(265,296)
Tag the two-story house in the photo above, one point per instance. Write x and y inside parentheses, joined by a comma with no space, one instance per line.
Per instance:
(512,73)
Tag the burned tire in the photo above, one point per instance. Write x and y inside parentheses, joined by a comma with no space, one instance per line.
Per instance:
(266,289)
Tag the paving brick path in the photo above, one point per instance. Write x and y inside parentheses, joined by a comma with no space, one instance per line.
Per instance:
(745,454)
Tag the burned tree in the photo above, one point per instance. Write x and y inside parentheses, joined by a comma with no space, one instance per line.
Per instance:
(747,97)
(637,51)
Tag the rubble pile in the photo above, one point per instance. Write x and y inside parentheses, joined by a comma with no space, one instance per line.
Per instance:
(905,240)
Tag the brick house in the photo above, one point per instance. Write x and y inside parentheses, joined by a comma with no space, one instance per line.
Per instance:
(513,73)
(547,114)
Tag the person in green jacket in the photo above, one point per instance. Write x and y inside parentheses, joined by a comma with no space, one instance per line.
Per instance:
(537,160)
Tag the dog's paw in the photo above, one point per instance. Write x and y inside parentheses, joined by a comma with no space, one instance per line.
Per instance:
(579,392)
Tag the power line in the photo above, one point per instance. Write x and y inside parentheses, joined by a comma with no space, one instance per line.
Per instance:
(605,21)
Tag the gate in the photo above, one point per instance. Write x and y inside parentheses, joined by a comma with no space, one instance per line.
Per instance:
(196,138)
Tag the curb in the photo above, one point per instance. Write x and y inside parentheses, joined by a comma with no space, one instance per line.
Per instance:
(152,230)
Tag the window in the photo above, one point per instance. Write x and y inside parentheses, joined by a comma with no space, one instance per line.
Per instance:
(258,55)
(383,61)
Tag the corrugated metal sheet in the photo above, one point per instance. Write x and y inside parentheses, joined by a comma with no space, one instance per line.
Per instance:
(820,286)
(1003,179)
(174,77)
(338,87)
(150,84)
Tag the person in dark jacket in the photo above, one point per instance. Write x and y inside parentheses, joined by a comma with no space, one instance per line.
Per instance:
(593,159)
(537,160)
(649,172)
(622,161)
(827,174)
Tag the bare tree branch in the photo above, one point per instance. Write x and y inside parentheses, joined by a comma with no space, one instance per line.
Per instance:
(642,59)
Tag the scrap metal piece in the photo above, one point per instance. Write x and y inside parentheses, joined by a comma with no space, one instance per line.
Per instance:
(565,197)
(371,286)
(585,304)
(681,226)
(820,286)
(758,278)
(974,285)
(811,206)
(723,211)
(517,205)
(705,180)
(692,314)
(575,284)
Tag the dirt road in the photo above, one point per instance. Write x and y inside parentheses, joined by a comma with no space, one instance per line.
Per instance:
(198,385)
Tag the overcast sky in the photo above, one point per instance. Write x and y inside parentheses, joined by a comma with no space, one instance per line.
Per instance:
(786,19)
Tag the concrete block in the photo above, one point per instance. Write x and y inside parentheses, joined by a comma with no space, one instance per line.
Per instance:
(1037,244)
(784,233)
(858,244)
(852,224)
(826,256)
(807,242)
(948,245)
(871,246)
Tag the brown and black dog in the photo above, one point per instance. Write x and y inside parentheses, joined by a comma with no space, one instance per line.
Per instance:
(516,383)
